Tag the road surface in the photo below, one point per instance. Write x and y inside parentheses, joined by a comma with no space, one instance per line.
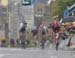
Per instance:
(34,53)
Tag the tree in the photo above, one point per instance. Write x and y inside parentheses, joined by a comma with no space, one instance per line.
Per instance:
(59,6)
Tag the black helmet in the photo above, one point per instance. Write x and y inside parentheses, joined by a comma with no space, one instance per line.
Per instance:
(25,22)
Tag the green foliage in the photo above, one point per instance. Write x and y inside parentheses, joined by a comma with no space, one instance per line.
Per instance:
(58,7)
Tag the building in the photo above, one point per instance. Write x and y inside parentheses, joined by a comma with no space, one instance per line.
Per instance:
(42,12)
(39,11)
(4,18)
(14,18)
(19,12)
(28,15)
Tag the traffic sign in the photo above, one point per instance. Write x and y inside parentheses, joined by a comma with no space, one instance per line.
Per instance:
(26,2)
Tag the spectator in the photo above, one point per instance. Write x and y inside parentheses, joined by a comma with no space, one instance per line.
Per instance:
(12,42)
(3,42)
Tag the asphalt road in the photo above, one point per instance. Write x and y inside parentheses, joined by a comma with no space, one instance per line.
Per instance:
(34,53)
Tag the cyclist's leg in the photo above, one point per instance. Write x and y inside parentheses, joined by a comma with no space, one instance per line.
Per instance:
(57,44)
